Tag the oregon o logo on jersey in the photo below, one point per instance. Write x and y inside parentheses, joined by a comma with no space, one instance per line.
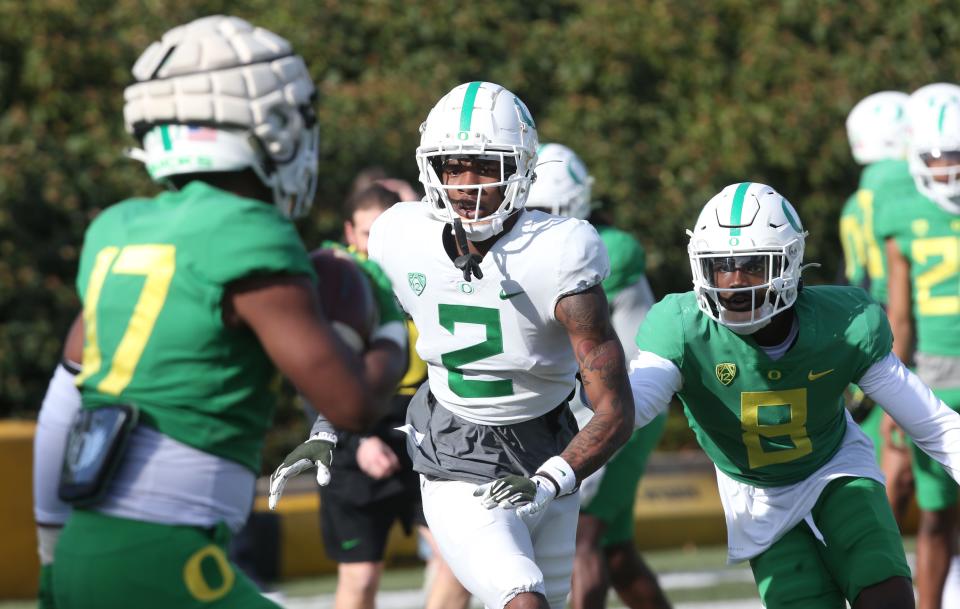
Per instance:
(726,372)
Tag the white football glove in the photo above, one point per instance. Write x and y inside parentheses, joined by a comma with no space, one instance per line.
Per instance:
(529,496)
(315,452)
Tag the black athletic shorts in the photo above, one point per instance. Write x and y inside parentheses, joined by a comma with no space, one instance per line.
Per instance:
(358,533)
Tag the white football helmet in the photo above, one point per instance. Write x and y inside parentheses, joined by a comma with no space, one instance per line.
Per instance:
(219,94)
(563,185)
(748,227)
(877,127)
(484,120)
(934,115)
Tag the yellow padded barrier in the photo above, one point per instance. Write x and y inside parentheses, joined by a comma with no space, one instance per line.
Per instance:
(19,565)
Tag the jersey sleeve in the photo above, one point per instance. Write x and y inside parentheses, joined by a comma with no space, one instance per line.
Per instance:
(662,331)
(582,262)
(376,243)
(254,239)
(627,260)
(868,331)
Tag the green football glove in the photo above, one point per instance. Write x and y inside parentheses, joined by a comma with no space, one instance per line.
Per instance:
(315,452)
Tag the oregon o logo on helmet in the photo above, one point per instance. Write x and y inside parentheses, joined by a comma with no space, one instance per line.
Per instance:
(463,135)
(734,241)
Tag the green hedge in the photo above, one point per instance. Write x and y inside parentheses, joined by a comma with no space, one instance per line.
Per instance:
(666,100)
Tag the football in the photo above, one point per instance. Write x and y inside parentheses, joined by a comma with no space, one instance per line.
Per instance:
(346,296)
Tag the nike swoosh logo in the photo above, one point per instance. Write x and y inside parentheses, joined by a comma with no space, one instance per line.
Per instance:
(811,376)
(505,296)
(350,544)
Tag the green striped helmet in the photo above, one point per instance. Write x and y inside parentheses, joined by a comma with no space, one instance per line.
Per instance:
(746,255)
(483,120)
(563,184)
(877,127)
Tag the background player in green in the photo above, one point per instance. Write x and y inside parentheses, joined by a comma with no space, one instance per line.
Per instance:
(187,299)
(760,364)
(606,553)
(877,132)
(921,234)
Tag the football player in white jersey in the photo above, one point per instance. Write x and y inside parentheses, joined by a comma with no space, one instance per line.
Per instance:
(509,306)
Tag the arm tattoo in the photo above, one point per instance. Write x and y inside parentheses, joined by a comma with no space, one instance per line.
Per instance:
(603,371)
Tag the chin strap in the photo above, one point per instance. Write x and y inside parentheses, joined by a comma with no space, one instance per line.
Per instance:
(467,262)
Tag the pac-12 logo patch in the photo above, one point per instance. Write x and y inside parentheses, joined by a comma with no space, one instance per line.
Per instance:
(418,282)
(726,372)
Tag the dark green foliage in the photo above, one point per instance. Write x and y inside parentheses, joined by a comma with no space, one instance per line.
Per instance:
(667,101)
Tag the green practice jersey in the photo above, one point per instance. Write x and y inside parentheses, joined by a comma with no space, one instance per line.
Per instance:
(628,261)
(883,186)
(852,242)
(761,421)
(152,278)
(929,238)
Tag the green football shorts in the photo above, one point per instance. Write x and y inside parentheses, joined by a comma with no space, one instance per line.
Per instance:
(863,548)
(613,503)
(45,590)
(103,562)
(936,489)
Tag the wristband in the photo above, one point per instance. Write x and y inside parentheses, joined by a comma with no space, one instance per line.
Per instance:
(559,472)
(325,436)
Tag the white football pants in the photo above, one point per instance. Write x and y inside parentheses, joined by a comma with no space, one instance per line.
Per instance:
(496,554)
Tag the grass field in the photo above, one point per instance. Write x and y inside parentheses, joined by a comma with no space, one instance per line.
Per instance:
(693,578)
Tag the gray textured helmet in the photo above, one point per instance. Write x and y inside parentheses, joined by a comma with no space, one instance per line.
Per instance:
(219,94)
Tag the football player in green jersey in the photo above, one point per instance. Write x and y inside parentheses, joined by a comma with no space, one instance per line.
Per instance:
(877,132)
(190,299)
(922,240)
(605,552)
(760,364)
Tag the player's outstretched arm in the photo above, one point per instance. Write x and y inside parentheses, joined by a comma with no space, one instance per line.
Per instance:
(284,313)
(933,425)
(603,371)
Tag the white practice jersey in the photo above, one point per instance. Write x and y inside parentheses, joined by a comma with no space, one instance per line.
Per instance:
(494,350)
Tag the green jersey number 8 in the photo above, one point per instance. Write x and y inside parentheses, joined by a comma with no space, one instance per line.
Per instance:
(454,361)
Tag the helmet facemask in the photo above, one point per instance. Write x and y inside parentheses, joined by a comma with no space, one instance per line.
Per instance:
(477,224)
(744,291)
(937,176)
